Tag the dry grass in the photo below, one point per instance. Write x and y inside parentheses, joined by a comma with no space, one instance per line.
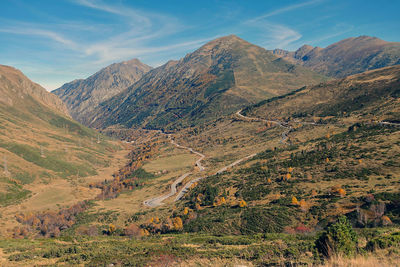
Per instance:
(370,260)
(215,262)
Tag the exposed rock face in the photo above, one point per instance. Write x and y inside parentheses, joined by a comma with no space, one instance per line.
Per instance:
(221,76)
(82,96)
(347,57)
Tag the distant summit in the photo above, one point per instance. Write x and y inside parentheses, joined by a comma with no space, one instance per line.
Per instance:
(346,57)
(82,95)
(217,79)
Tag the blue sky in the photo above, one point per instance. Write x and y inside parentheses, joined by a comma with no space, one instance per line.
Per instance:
(56,41)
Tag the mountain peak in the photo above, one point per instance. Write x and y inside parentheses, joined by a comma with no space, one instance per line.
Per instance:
(81,96)
(224,42)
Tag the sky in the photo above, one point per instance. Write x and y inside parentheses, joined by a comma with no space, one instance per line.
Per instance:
(54,42)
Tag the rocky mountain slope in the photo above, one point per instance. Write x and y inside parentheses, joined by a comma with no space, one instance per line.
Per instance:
(81,96)
(347,57)
(370,94)
(214,80)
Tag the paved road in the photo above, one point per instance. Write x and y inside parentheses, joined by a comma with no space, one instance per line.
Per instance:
(285,134)
(198,162)
(186,187)
(157,201)
(388,123)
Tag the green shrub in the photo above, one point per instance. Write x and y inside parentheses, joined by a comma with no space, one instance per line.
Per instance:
(339,238)
(383,242)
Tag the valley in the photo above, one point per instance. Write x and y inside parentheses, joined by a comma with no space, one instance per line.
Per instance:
(229,156)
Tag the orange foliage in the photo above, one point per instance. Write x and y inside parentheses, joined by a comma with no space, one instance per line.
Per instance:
(386,220)
(177,223)
(242,203)
(186,211)
(303,205)
(295,201)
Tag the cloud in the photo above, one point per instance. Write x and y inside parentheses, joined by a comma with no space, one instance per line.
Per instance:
(276,35)
(117,10)
(25,30)
(285,9)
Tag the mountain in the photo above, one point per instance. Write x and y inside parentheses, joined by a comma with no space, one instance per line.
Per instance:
(218,78)
(82,95)
(347,57)
(16,89)
(40,145)
(372,94)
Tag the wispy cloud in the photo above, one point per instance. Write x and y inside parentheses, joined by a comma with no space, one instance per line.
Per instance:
(285,9)
(26,30)
(117,10)
(277,35)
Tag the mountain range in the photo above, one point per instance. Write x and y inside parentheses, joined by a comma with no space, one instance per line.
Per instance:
(220,77)
(346,57)
(234,155)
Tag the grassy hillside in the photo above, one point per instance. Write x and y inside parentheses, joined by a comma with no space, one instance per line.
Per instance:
(370,95)
(45,155)
(313,193)
(215,80)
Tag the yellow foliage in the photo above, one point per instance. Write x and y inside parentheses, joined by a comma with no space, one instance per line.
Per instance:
(111,228)
(295,201)
(186,211)
(177,223)
(290,169)
(242,203)
(144,232)
(360,161)
(303,205)
(327,160)
(288,176)
(198,206)
(222,200)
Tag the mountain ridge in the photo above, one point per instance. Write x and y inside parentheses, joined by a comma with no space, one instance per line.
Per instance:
(14,86)
(346,57)
(82,95)
(214,80)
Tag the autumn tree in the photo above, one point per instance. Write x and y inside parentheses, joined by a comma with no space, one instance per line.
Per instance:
(303,205)
(242,203)
(295,201)
(177,223)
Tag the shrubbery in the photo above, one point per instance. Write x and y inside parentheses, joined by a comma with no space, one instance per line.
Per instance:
(339,238)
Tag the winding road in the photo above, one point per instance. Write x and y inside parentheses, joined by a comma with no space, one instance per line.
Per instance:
(285,134)
(157,201)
